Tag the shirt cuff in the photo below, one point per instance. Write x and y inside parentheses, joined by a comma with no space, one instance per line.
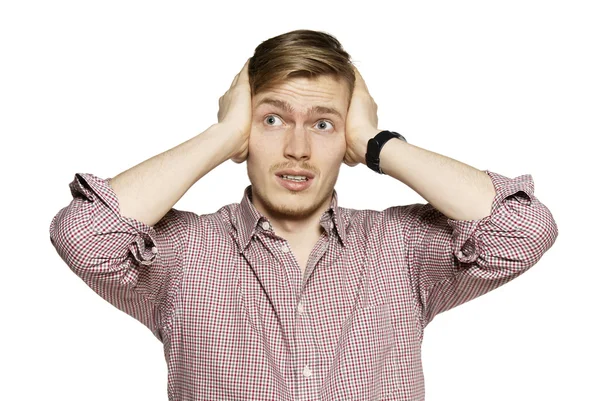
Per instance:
(511,193)
(107,217)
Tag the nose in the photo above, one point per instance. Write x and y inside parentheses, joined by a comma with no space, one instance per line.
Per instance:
(297,144)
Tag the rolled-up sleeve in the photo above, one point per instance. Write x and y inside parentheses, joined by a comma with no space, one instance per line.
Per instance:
(133,266)
(454,261)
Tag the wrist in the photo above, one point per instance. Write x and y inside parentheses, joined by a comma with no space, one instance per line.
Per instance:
(375,147)
(225,139)
(361,146)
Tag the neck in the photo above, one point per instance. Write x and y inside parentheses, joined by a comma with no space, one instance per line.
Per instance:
(308,229)
(295,228)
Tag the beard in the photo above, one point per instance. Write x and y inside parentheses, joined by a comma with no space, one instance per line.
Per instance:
(304,204)
(283,210)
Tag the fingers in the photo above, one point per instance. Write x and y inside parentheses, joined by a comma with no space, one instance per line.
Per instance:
(240,79)
(349,162)
(243,74)
(360,83)
(234,81)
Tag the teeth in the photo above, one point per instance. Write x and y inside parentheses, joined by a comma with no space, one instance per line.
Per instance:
(294,177)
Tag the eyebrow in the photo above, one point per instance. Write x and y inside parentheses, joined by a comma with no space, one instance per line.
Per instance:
(283,105)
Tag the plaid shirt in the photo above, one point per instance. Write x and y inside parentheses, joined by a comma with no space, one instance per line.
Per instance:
(226,296)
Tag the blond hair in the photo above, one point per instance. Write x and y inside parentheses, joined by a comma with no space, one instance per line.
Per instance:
(300,53)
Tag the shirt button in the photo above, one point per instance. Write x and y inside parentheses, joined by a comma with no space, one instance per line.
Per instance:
(266,225)
(285,248)
(331,224)
(300,307)
(154,249)
(307,372)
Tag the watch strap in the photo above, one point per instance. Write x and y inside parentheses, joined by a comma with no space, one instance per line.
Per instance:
(374,147)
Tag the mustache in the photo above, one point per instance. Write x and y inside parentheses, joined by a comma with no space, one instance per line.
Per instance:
(301,166)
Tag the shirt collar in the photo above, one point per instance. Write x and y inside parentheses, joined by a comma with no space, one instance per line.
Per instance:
(248,221)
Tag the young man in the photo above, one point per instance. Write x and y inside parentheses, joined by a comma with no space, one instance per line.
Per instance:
(286,295)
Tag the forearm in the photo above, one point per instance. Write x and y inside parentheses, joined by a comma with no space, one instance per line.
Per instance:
(458,190)
(147,191)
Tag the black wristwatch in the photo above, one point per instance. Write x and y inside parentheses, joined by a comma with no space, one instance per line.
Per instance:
(374,148)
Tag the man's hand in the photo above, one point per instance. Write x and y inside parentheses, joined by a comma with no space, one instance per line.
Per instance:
(361,122)
(235,112)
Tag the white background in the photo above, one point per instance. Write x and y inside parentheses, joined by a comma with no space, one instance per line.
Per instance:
(98,87)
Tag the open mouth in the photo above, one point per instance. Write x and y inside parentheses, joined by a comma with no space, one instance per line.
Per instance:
(294,182)
(295,178)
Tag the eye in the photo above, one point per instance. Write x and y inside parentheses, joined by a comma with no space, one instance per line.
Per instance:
(323,124)
(271,119)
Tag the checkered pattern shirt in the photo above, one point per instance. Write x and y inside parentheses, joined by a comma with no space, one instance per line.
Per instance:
(239,321)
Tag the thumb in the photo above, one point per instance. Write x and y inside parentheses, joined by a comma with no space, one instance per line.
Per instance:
(348,162)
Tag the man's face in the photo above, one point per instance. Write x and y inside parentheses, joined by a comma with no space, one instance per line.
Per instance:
(296,132)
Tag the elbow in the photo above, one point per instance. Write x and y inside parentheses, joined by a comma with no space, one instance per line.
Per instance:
(516,242)
(88,249)
(542,236)
(68,233)
(74,236)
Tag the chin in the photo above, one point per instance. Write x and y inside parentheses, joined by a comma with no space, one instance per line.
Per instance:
(295,208)
(287,204)
(271,198)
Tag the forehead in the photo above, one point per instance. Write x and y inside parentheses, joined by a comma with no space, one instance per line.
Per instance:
(322,94)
